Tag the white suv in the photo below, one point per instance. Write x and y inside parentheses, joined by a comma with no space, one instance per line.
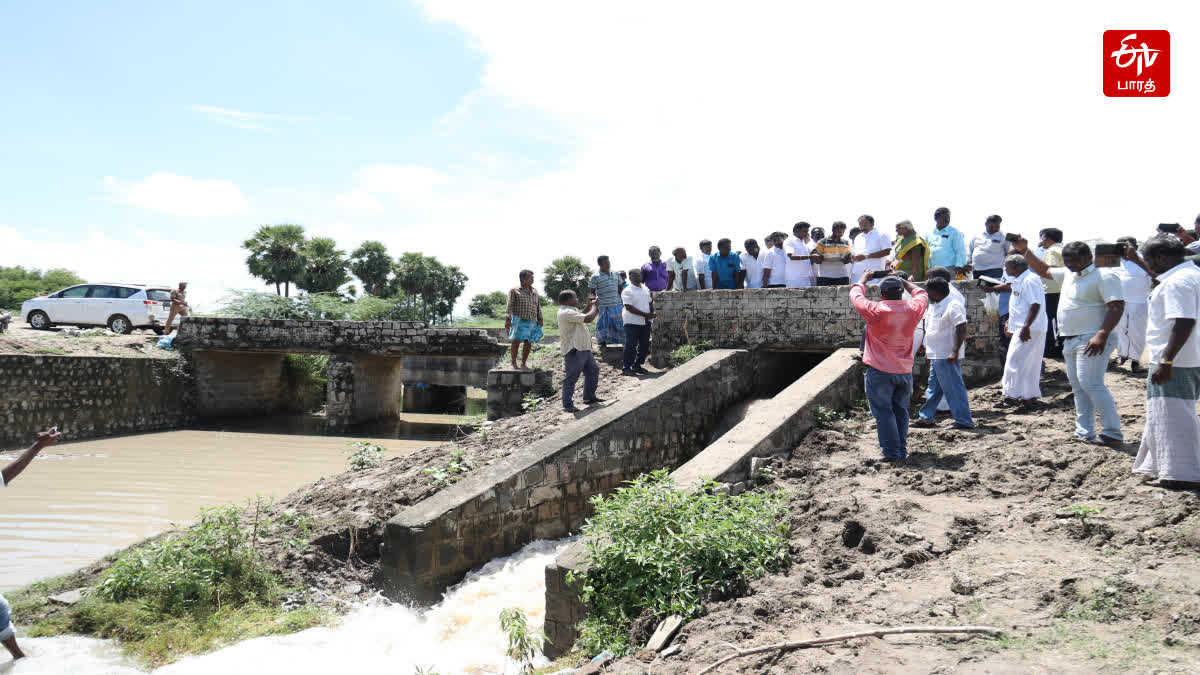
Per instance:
(118,307)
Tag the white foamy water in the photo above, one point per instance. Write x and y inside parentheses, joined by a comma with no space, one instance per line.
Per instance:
(459,635)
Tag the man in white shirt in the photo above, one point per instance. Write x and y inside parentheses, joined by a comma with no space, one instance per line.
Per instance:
(751,265)
(1135,286)
(945,344)
(1089,309)
(1026,330)
(1170,446)
(638,314)
(775,263)
(681,274)
(988,249)
(798,248)
(869,250)
(700,268)
(576,344)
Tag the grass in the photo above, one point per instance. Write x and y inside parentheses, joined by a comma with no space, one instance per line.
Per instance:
(549,321)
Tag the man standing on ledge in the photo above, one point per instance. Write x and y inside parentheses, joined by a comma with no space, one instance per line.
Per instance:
(701,263)
(869,249)
(888,356)
(946,246)
(726,267)
(655,272)
(576,346)
(609,329)
(639,312)
(523,318)
(178,306)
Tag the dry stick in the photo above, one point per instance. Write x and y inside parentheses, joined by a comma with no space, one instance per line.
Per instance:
(850,636)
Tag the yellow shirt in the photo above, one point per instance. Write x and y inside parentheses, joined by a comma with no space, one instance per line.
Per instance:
(1053,258)
(573,332)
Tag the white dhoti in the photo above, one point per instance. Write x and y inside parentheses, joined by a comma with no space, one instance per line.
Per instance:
(1170,446)
(1023,366)
(1131,332)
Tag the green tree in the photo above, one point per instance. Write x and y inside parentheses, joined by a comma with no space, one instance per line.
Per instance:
(428,287)
(324,266)
(488,304)
(563,273)
(371,263)
(18,284)
(276,256)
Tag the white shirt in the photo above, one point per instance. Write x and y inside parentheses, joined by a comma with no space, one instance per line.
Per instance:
(987,251)
(754,270)
(1027,290)
(775,260)
(1177,296)
(799,272)
(867,243)
(1135,283)
(573,332)
(639,297)
(700,268)
(940,322)
(1085,297)
(678,267)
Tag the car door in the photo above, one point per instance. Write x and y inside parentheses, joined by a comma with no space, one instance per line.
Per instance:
(68,306)
(98,305)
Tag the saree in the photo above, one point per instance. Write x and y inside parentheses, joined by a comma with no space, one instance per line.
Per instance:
(904,246)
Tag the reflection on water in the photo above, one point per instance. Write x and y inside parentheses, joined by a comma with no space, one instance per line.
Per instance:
(459,635)
(80,501)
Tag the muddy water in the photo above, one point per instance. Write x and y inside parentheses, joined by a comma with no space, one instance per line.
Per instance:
(459,635)
(80,501)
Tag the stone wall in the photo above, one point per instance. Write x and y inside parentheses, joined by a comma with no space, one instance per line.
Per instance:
(378,387)
(541,491)
(507,387)
(454,371)
(818,318)
(333,337)
(776,426)
(239,383)
(91,396)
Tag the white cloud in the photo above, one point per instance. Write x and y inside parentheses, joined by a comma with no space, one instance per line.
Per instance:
(405,180)
(180,195)
(241,119)
(360,200)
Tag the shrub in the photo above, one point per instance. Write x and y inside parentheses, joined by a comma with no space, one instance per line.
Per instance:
(307,376)
(364,455)
(523,646)
(652,546)
(684,353)
(448,474)
(825,418)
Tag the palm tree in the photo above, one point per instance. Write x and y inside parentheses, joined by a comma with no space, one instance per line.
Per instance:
(324,266)
(276,256)
(371,263)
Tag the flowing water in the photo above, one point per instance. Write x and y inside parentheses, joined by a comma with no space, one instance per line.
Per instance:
(80,501)
(459,635)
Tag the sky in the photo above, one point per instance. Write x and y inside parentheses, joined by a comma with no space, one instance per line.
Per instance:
(142,142)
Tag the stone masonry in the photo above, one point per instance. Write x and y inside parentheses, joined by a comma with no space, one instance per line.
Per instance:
(542,491)
(506,390)
(90,396)
(383,338)
(816,318)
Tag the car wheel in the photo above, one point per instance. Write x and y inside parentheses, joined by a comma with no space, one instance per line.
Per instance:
(120,324)
(39,321)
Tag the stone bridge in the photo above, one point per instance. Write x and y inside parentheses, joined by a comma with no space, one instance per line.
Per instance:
(239,363)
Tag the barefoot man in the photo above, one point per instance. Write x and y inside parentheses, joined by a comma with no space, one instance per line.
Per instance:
(523,318)
(14,469)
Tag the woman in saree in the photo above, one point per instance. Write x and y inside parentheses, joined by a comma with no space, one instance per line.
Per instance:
(910,252)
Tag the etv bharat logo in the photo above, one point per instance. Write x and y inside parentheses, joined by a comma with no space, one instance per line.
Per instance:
(1137,63)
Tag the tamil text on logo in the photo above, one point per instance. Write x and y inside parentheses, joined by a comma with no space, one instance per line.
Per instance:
(1137,63)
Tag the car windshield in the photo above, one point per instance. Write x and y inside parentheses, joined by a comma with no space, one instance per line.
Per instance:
(159,294)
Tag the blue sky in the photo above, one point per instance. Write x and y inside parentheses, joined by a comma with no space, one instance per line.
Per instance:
(144,141)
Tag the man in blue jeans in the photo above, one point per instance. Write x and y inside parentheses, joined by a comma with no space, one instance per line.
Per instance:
(945,344)
(44,440)
(888,356)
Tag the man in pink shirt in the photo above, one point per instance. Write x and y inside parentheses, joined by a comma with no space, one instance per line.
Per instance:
(888,355)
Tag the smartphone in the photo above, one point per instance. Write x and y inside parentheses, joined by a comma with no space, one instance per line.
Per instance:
(985,282)
(879,274)
(1110,249)
(1012,237)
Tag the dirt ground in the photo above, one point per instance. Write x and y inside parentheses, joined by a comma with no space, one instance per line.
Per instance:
(1086,566)
(58,341)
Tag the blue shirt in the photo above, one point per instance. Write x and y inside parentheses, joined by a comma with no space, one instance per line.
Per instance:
(946,248)
(726,268)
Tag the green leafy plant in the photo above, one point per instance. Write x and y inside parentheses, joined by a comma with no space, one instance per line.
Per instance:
(523,646)
(530,403)
(826,418)
(1082,511)
(364,455)
(653,546)
(449,473)
(684,353)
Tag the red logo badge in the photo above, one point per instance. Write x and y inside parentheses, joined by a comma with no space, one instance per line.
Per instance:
(1137,63)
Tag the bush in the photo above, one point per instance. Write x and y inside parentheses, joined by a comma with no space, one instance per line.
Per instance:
(684,353)
(652,546)
(364,455)
(307,376)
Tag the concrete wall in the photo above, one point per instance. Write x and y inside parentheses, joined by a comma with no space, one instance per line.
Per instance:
(238,383)
(819,318)
(453,371)
(767,429)
(541,491)
(378,387)
(90,396)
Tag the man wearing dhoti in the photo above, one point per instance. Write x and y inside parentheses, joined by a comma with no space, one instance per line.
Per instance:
(1135,285)
(1026,331)
(1170,447)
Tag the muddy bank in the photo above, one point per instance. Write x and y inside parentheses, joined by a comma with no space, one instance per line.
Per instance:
(1087,567)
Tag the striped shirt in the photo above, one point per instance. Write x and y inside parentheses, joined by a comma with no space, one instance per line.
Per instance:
(607,287)
(524,304)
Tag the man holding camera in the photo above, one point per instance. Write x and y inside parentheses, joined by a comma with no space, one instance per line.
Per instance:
(1088,311)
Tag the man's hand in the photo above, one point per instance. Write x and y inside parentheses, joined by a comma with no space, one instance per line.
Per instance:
(867,275)
(859,257)
(1162,374)
(507,323)
(953,358)
(540,322)
(1020,245)
(817,258)
(652,316)
(1025,336)
(47,438)
(1096,345)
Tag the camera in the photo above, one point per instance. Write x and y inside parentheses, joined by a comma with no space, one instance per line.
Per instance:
(1011,237)
(1110,249)
(879,274)
(986,282)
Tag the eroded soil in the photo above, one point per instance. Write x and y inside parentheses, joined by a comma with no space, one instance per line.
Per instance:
(1087,567)
(59,341)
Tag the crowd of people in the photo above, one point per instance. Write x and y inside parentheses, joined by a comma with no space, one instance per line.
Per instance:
(1052,300)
